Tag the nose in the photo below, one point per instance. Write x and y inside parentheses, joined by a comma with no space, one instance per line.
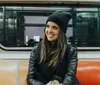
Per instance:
(50,29)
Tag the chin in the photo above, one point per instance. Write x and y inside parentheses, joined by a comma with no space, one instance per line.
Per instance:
(51,40)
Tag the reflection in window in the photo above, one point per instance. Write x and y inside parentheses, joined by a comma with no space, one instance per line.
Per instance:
(85,30)
(24,26)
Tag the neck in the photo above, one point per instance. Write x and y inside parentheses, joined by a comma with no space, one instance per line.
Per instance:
(53,43)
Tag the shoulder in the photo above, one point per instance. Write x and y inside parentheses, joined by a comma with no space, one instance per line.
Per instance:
(36,48)
(72,47)
(35,53)
(72,50)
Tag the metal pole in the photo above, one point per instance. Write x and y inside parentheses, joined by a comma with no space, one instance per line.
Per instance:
(4,23)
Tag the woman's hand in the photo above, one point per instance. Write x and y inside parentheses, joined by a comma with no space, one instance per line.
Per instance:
(54,82)
(49,83)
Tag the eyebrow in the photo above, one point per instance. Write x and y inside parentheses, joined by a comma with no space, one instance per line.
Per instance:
(53,25)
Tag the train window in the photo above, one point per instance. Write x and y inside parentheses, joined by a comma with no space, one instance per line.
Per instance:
(35,19)
(22,26)
(35,33)
(34,29)
(86,28)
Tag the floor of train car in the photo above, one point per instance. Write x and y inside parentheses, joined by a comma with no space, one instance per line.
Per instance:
(14,72)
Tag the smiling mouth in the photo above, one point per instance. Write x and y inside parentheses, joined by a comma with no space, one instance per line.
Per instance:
(50,35)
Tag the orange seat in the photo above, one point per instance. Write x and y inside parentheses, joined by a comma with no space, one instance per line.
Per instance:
(14,73)
(88,72)
(23,73)
(8,73)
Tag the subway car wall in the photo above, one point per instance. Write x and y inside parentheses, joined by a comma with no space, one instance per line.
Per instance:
(23,26)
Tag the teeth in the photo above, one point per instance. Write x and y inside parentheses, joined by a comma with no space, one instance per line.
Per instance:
(50,35)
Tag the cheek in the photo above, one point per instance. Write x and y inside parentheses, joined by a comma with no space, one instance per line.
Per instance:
(57,33)
(45,31)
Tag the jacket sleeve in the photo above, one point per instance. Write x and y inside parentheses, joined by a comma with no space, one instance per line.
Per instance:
(72,67)
(32,70)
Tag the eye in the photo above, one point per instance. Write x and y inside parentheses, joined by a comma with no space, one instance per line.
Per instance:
(55,27)
(47,26)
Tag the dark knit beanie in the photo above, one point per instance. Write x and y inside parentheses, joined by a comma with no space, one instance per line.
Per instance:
(61,18)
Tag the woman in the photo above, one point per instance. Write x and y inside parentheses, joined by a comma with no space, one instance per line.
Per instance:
(53,61)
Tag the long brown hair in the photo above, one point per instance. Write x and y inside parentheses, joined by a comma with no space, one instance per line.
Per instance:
(55,53)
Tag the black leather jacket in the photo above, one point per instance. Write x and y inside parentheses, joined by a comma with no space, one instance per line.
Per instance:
(41,74)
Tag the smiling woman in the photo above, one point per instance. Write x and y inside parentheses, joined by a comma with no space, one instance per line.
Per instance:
(54,54)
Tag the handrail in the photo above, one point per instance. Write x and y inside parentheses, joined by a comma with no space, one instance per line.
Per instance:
(88,48)
(30,48)
(15,48)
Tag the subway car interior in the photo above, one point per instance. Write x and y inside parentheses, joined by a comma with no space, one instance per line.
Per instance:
(22,28)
